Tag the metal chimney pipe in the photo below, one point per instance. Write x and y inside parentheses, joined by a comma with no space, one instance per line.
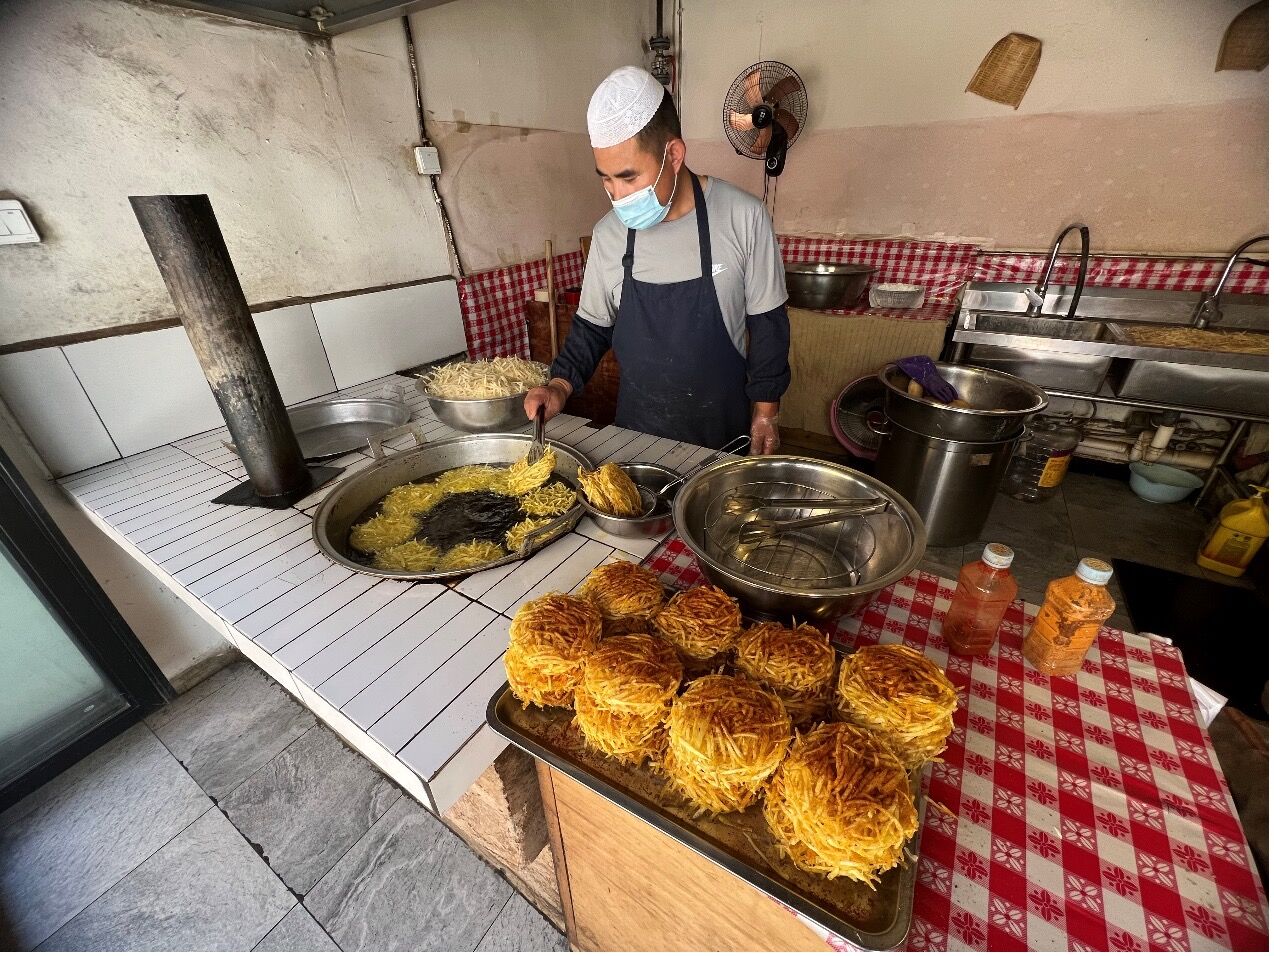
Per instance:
(188,247)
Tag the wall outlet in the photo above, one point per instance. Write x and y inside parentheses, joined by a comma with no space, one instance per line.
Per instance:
(15,224)
(427,161)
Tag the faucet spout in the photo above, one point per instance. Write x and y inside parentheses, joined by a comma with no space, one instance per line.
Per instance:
(1036,295)
(1208,310)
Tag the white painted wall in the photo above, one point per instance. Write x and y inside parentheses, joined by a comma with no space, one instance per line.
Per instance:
(304,148)
(525,63)
(900,62)
(505,85)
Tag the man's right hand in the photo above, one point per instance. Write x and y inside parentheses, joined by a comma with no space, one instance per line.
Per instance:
(552,397)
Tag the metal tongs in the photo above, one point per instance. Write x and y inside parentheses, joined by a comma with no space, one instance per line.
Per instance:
(650,500)
(536,451)
(756,531)
(739,503)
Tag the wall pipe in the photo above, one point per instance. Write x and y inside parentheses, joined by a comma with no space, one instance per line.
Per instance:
(191,253)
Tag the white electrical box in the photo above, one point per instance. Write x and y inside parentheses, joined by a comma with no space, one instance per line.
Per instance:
(15,224)
(427,161)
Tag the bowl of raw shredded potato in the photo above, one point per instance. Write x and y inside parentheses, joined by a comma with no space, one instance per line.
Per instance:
(482,396)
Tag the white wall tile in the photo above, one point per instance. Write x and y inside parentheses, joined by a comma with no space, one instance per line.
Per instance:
(148,387)
(291,340)
(380,332)
(50,404)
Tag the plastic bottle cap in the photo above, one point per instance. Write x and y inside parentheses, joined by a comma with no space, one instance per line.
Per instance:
(997,555)
(1094,571)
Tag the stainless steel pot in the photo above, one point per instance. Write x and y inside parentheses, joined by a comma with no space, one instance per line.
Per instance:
(889,548)
(823,285)
(653,525)
(352,497)
(1001,403)
(952,484)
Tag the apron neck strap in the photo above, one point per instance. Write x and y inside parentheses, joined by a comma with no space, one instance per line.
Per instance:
(705,237)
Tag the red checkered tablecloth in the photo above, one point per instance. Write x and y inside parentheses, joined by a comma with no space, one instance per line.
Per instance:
(1089,812)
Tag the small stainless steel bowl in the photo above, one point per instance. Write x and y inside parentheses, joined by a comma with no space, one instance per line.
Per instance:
(479,415)
(653,525)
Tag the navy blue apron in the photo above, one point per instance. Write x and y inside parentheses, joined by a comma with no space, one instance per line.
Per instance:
(680,375)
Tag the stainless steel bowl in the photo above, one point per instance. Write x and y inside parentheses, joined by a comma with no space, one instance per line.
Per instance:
(824,285)
(896,546)
(479,415)
(1001,403)
(331,428)
(653,525)
(349,500)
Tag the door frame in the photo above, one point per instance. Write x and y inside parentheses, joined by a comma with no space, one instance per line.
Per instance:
(74,596)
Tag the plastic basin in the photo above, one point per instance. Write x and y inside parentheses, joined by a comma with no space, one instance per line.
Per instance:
(1161,484)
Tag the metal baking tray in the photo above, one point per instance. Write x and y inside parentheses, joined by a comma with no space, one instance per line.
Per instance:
(328,429)
(738,842)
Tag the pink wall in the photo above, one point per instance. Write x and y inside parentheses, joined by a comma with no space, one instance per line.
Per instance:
(1188,179)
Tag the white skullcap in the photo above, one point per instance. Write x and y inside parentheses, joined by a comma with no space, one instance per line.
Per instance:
(622,105)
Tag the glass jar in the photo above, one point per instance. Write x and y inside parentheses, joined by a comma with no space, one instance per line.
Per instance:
(1040,461)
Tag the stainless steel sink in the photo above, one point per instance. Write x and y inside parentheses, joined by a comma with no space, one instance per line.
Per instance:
(1094,354)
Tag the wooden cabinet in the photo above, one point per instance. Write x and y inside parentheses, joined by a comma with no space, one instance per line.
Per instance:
(627,887)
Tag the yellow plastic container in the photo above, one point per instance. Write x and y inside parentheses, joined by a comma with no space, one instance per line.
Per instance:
(1232,540)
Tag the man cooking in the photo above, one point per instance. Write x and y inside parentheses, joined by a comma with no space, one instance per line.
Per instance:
(684,281)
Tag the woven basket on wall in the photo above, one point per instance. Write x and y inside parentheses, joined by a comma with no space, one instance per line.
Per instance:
(1007,70)
(1246,45)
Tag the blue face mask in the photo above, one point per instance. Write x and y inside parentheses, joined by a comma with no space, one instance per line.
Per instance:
(642,209)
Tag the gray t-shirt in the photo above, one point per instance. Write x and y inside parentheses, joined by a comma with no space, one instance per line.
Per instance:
(747,268)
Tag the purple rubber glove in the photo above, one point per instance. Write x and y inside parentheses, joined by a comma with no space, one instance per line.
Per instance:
(922,369)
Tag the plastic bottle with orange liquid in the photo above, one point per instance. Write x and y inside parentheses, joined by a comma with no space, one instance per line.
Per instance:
(1074,609)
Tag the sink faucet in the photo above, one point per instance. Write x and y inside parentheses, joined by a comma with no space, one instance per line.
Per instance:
(1036,295)
(1209,308)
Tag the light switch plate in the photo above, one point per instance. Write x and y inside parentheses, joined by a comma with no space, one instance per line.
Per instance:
(15,224)
(427,163)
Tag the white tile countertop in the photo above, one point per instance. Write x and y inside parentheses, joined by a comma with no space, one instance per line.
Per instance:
(402,671)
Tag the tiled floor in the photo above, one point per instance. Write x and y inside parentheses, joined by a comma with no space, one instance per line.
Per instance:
(232,820)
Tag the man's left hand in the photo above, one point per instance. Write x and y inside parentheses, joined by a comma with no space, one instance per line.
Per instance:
(765,433)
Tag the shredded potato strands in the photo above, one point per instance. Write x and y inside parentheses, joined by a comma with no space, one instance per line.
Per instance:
(551,500)
(901,695)
(840,804)
(383,531)
(388,537)
(409,556)
(623,589)
(625,695)
(523,477)
(701,622)
(609,489)
(473,478)
(548,641)
(469,555)
(797,663)
(413,499)
(516,536)
(493,378)
(726,736)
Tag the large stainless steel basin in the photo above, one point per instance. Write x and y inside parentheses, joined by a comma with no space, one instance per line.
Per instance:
(863,559)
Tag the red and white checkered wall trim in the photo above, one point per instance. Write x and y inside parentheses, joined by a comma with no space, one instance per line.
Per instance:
(492,303)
